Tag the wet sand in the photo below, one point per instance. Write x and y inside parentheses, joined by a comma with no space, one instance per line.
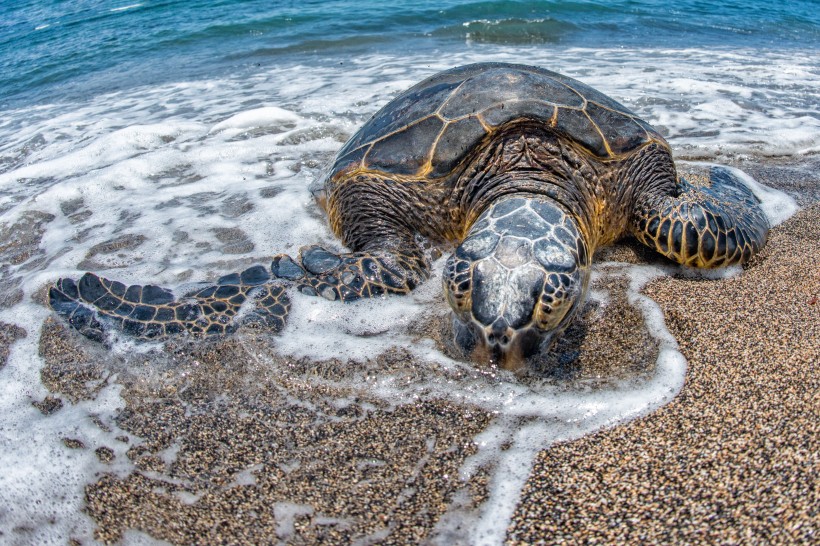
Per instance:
(233,447)
(231,444)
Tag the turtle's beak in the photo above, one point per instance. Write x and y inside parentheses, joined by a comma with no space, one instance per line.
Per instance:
(498,344)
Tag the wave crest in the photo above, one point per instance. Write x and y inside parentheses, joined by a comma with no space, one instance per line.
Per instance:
(509,31)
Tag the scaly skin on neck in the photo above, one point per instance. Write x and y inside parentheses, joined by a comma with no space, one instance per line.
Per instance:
(532,161)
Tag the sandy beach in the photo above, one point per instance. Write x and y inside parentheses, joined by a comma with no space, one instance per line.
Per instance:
(228,443)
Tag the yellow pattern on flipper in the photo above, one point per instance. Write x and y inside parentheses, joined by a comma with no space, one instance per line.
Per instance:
(705,226)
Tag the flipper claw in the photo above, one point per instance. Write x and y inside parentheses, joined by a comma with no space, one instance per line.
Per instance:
(283,267)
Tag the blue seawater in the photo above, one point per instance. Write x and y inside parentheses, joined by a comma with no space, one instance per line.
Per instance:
(53,50)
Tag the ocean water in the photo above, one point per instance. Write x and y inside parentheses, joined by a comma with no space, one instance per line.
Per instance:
(56,50)
(186,136)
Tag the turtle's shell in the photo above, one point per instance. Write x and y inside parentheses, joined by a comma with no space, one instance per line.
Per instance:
(428,130)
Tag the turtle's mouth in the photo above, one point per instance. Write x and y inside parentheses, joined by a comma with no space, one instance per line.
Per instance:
(507,348)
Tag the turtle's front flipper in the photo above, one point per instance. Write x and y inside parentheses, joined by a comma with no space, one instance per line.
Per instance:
(708,227)
(354,275)
(94,305)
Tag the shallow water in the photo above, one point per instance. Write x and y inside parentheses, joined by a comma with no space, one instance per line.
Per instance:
(142,162)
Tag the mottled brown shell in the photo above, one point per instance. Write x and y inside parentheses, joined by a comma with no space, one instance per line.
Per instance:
(429,129)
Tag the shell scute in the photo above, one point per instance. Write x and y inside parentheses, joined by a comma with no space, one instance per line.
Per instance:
(429,130)
(350,160)
(416,103)
(457,139)
(403,152)
(577,124)
(621,132)
(501,85)
(591,94)
(506,112)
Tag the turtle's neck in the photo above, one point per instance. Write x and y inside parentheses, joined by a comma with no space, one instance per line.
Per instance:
(534,163)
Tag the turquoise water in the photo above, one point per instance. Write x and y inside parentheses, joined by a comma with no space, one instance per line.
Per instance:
(73,49)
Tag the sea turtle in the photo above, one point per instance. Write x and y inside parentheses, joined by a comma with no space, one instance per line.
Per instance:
(526,171)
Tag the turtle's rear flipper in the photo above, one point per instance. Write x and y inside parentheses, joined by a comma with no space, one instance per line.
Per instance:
(94,305)
(355,275)
(713,226)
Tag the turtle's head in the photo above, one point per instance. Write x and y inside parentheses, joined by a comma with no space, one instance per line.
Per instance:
(516,280)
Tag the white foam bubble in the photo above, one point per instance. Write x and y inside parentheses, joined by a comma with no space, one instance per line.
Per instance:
(259,117)
(531,419)
(125,8)
(530,416)
(322,329)
(133,537)
(42,486)
(286,514)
